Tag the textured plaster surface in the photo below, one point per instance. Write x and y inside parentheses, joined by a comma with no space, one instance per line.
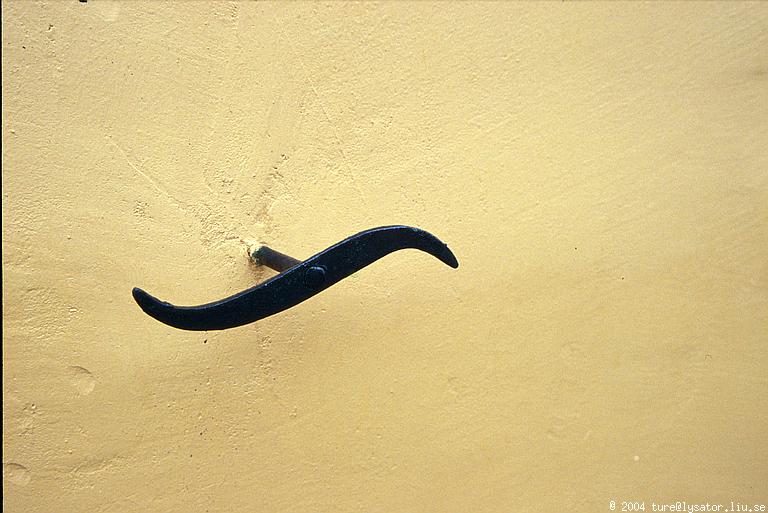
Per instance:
(601,172)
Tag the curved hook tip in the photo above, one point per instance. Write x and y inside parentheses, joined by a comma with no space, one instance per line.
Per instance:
(448,258)
(139,295)
(145,300)
(435,247)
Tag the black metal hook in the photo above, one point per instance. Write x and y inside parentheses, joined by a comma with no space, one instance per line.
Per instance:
(297,280)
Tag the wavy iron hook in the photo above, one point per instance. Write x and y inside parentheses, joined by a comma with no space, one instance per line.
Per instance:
(297,280)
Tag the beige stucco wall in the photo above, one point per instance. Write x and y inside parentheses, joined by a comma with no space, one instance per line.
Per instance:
(600,171)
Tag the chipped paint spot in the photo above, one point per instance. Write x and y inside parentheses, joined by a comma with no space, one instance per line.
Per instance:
(16,474)
(82,380)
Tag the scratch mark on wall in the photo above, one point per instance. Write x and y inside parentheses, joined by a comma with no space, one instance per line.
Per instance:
(152,181)
(213,216)
(334,128)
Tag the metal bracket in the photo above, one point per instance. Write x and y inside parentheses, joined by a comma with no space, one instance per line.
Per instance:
(297,281)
